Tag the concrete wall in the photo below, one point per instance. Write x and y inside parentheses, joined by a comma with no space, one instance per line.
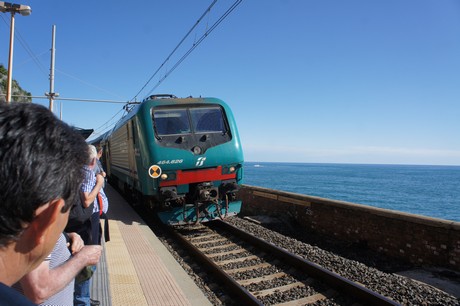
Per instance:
(417,239)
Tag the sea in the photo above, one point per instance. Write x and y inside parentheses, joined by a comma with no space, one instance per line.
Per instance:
(432,191)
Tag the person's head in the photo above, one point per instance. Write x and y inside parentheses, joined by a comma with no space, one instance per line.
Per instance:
(99,151)
(92,155)
(41,161)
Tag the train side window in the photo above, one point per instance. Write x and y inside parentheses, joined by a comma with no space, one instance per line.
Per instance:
(208,120)
(171,122)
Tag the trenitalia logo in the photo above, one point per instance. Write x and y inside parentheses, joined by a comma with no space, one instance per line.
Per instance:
(200,161)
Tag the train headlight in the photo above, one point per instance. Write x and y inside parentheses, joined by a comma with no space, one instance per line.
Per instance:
(196,150)
(171,176)
(229,169)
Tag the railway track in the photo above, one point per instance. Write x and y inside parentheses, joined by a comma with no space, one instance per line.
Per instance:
(259,273)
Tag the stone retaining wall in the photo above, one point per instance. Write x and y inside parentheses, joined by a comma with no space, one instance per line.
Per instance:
(417,239)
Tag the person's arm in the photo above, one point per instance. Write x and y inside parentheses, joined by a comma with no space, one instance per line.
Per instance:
(89,197)
(101,169)
(75,243)
(43,282)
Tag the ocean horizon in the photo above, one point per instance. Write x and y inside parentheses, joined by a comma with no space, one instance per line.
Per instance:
(337,163)
(428,190)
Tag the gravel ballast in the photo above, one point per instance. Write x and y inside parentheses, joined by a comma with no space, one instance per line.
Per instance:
(399,288)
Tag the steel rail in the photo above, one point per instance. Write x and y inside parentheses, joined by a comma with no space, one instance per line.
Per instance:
(246,297)
(333,279)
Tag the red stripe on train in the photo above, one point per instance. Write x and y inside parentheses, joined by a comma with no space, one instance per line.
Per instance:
(205,175)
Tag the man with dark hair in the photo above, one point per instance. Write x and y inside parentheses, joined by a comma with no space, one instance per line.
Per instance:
(40,174)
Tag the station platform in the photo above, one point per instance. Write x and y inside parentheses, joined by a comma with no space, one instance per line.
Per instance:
(136,268)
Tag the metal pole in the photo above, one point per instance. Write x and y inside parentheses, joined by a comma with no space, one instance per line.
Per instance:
(10,61)
(51,93)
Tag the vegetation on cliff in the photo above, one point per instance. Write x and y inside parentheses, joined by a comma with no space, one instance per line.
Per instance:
(17,93)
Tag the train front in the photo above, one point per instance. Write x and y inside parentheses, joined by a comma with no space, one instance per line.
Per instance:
(198,160)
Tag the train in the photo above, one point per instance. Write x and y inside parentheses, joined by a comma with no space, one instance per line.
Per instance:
(180,157)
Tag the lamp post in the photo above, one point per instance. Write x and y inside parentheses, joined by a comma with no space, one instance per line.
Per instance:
(12,8)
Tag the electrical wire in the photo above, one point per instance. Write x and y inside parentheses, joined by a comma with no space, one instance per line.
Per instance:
(200,40)
(108,126)
(86,83)
(39,64)
(175,49)
(26,47)
(127,104)
(70,99)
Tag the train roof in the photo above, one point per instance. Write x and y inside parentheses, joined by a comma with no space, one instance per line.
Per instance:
(97,140)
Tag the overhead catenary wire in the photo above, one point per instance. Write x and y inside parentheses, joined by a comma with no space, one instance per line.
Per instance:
(26,47)
(36,59)
(175,49)
(128,103)
(212,28)
(107,125)
(97,130)
(71,99)
(86,83)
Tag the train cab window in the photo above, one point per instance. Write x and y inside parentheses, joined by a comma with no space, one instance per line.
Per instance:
(207,120)
(171,121)
(190,125)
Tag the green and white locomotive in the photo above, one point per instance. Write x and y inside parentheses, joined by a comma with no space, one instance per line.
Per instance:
(180,156)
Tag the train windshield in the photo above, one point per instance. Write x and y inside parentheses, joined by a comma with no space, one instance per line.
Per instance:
(171,121)
(207,120)
(174,121)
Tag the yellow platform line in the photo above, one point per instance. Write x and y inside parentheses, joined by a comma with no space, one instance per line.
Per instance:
(137,274)
(124,283)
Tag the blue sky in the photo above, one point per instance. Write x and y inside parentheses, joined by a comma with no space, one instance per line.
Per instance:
(308,81)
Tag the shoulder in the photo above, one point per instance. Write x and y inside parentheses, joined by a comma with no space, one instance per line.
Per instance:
(10,297)
(89,179)
(88,172)
(60,253)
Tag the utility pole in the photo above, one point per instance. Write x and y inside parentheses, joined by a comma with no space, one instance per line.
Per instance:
(10,62)
(51,94)
(24,10)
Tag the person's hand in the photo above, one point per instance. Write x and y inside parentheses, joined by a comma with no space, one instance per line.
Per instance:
(76,243)
(99,179)
(90,254)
